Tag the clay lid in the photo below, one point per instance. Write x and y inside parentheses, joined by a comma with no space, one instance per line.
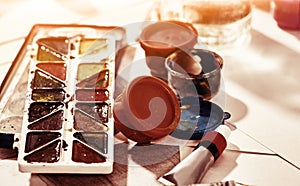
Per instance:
(167,35)
(151,109)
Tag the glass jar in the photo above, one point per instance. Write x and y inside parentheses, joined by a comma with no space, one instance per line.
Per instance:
(220,23)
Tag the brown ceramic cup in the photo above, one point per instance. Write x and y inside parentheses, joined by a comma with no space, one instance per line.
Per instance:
(161,39)
(146,110)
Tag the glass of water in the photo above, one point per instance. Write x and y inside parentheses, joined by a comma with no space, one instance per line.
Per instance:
(220,23)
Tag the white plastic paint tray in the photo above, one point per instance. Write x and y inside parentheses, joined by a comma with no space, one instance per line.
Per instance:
(63,79)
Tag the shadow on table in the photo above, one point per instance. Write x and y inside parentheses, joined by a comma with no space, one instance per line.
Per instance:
(8,153)
(295,33)
(118,177)
(222,166)
(236,108)
(160,159)
(157,158)
(268,69)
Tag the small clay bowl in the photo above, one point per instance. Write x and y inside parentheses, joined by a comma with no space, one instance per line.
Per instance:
(161,39)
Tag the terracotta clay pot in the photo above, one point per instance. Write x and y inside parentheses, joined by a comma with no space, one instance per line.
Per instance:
(161,39)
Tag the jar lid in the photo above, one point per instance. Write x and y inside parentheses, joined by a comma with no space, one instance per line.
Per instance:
(149,110)
(154,106)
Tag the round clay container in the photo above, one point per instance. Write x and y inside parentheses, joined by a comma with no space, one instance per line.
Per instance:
(146,110)
(161,39)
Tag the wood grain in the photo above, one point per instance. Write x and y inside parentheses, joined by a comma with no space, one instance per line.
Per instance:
(156,159)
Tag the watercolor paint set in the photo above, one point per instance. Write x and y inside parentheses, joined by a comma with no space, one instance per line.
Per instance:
(64,81)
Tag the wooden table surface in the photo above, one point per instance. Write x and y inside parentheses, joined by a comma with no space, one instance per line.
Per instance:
(263,148)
